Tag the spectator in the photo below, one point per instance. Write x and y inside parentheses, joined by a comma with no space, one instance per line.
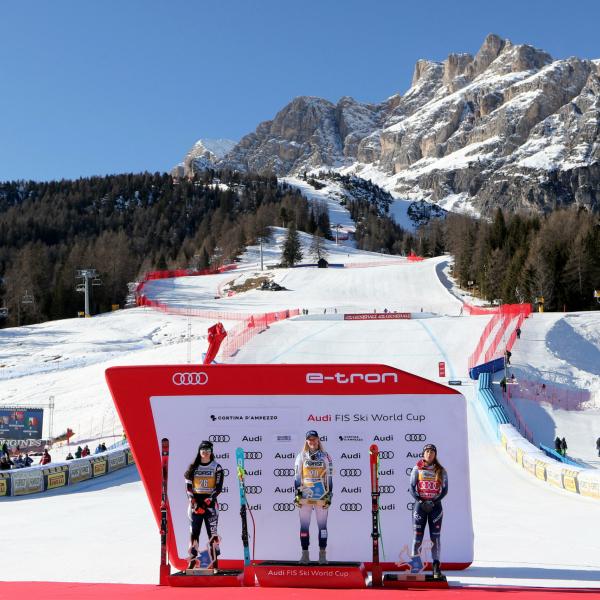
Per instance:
(5,463)
(5,450)
(78,452)
(69,457)
(503,385)
(46,458)
(598,446)
(27,460)
(98,449)
(103,446)
(563,447)
(558,445)
(507,356)
(85,451)
(19,464)
(518,332)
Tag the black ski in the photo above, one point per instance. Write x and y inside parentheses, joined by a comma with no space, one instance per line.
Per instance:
(374,469)
(164,567)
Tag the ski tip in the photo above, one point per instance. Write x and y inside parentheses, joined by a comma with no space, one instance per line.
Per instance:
(373,449)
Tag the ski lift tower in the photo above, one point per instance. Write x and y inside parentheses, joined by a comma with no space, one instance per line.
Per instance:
(88,278)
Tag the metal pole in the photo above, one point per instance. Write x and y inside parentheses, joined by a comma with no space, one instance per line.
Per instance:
(87,294)
(261,254)
(51,419)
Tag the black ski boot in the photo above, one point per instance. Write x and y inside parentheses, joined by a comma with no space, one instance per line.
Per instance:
(437,574)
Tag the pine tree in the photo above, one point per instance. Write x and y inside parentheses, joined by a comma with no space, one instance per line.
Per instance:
(292,251)
(317,247)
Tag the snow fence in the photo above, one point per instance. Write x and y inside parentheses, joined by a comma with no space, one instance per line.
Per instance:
(41,478)
(577,480)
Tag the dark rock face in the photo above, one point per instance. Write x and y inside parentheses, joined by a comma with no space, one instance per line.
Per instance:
(508,127)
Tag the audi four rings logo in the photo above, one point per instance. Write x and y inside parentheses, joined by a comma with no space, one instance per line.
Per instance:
(225,472)
(190,378)
(410,505)
(415,437)
(409,470)
(253,455)
(219,438)
(253,489)
(386,489)
(350,507)
(283,472)
(284,506)
(223,506)
(386,454)
(350,472)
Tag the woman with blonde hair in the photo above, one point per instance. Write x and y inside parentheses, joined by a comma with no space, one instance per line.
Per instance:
(314,490)
(428,485)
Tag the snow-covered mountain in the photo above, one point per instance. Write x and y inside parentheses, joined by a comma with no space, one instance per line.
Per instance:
(507,127)
(204,153)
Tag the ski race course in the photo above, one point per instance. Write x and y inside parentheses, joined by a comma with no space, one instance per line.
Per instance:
(527,534)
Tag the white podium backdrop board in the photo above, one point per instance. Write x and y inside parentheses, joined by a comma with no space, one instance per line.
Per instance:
(271,429)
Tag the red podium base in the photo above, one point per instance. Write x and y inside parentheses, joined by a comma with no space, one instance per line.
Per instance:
(336,575)
(229,578)
(413,581)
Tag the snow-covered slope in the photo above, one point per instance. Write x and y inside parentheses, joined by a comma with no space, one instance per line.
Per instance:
(103,530)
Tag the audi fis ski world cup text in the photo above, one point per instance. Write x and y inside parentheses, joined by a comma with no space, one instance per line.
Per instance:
(362,418)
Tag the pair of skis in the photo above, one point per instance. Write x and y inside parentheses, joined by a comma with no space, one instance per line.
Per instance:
(241,474)
(375,531)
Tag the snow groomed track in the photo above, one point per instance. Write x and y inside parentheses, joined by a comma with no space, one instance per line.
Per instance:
(524,533)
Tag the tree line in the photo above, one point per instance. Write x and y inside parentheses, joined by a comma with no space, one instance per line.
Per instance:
(125,225)
(521,258)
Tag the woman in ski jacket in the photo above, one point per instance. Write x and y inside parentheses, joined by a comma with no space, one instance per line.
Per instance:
(313,485)
(203,483)
(428,485)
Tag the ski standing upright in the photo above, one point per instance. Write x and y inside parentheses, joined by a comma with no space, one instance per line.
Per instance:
(374,469)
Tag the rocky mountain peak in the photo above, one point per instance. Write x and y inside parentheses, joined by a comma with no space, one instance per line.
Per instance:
(509,126)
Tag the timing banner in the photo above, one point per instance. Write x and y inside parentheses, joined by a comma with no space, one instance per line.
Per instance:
(267,410)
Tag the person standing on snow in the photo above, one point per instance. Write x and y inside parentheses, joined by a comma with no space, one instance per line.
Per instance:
(563,447)
(558,445)
(204,482)
(428,485)
(314,490)
(598,446)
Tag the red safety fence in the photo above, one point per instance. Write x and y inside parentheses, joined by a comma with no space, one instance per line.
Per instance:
(141,299)
(566,398)
(503,325)
(242,333)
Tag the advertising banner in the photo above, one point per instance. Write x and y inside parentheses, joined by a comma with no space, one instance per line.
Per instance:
(376,316)
(589,484)
(55,477)
(4,484)
(80,469)
(27,481)
(116,460)
(267,410)
(99,466)
(20,423)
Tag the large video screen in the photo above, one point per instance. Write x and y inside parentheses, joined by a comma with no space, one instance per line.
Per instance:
(21,423)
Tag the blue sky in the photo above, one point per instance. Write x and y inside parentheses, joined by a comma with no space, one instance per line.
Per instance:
(90,88)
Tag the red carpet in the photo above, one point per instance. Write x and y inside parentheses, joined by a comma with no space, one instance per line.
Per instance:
(112,591)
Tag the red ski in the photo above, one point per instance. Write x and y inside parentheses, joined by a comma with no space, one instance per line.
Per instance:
(165,571)
(374,469)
